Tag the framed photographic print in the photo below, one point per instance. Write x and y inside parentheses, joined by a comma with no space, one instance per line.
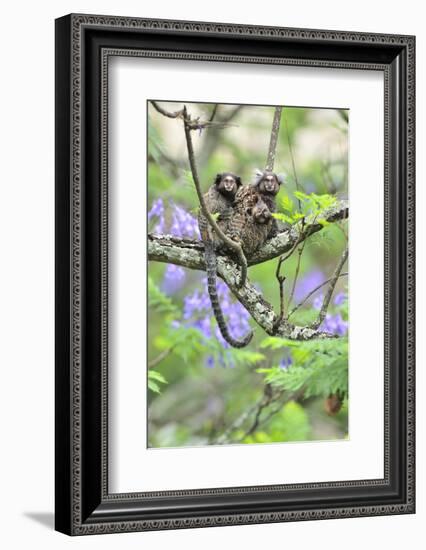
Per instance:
(234,274)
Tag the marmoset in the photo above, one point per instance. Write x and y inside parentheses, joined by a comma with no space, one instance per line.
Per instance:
(268,185)
(219,200)
(251,220)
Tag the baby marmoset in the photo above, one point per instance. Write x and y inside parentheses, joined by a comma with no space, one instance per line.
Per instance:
(268,184)
(251,221)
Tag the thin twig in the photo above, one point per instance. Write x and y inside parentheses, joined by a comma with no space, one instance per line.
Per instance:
(343,115)
(266,400)
(281,278)
(274,139)
(329,293)
(227,117)
(169,114)
(193,124)
(216,105)
(211,139)
(281,281)
(229,242)
(154,362)
(296,274)
(306,298)
(293,164)
(225,436)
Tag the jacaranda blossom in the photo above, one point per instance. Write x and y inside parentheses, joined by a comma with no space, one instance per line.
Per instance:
(285,362)
(197,313)
(174,278)
(340,298)
(157,211)
(182,224)
(307,283)
(335,324)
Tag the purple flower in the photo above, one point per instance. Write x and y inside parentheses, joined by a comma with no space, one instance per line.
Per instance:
(157,211)
(160,227)
(317,303)
(174,278)
(210,362)
(226,361)
(204,326)
(285,363)
(195,303)
(335,324)
(183,223)
(340,298)
(197,312)
(307,283)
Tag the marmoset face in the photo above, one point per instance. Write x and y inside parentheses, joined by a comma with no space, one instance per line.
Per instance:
(268,182)
(227,183)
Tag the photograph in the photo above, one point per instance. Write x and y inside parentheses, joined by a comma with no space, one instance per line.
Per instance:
(234,268)
(248,277)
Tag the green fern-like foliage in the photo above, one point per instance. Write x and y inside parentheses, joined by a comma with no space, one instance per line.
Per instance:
(159,302)
(319,367)
(312,207)
(155,378)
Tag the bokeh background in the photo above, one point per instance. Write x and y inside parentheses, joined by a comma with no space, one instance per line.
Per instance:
(200,391)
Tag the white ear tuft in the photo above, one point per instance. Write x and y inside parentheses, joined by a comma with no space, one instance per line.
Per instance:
(281,177)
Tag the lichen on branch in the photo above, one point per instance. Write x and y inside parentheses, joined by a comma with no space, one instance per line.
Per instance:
(189,253)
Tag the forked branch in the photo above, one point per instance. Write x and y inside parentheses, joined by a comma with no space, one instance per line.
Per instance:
(329,293)
(234,246)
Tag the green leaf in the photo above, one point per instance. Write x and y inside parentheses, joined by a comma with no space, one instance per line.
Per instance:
(320,367)
(155,375)
(158,301)
(286,204)
(301,196)
(246,358)
(273,342)
(153,386)
(283,217)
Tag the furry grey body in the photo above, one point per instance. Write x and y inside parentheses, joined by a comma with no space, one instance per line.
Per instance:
(268,185)
(219,200)
(251,220)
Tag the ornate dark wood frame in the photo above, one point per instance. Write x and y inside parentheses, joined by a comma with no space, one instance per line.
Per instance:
(83,45)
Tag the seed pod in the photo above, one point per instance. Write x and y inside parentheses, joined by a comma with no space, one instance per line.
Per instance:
(333,404)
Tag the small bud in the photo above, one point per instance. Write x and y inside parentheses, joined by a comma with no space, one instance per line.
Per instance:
(333,404)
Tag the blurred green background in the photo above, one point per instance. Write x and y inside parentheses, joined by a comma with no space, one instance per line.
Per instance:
(201,392)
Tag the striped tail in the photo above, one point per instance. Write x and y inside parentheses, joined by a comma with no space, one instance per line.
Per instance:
(211,267)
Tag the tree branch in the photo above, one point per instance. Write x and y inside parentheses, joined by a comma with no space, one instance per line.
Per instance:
(329,293)
(193,124)
(281,278)
(229,242)
(274,139)
(306,298)
(189,253)
(211,139)
(168,114)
